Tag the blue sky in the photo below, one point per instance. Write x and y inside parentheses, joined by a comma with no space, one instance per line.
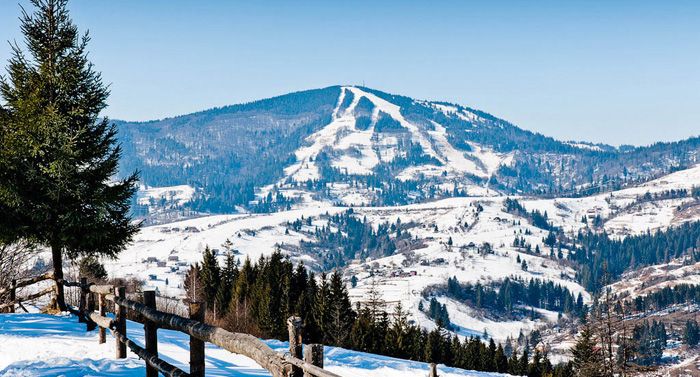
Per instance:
(615,72)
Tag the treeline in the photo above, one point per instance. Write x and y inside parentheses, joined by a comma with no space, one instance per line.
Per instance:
(603,259)
(504,297)
(258,298)
(346,237)
(667,296)
(537,218)
(437,312)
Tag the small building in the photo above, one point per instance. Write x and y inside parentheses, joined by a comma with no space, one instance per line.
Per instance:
(152,277)
(173,258)
(160,264)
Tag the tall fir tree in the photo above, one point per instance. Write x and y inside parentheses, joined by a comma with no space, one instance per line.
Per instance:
(58,156)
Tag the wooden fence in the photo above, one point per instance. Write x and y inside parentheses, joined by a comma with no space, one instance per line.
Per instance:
(95,301)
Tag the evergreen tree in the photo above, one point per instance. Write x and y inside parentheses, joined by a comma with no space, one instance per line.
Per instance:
(501,360)
(587,360)
(210,277)
(340,310)
(58,158)
(691,333)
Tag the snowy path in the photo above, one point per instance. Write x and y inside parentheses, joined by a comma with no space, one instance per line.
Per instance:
(46,345)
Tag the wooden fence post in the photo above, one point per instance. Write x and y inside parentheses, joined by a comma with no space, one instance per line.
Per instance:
(102,331)
(197,310)
(313,354)
(433,370)
(81,303)
(295,342)
(150,332)
(13,295)
(90,308)
(120,319)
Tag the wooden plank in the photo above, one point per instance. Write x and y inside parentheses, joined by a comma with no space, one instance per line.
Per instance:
(150,330)
(196,311)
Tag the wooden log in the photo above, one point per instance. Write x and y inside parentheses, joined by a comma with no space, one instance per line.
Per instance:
(308,368)
(433,370)
(13,295)
(102,321)
(81,302)
(90,309)
(150,359)
(120,319)
(101,289)
(150,330)
(242,344)
(313,354)
(295,342)
(30,297)
(197,310)
(30,281)
(101,307)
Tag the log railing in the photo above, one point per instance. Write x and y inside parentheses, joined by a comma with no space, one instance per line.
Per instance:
(294,364)
(11,291)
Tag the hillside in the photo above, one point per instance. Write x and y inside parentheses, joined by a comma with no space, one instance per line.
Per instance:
(417,248)
(353,145)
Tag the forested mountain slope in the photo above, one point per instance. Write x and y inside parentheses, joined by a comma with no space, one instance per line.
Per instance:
(355,145)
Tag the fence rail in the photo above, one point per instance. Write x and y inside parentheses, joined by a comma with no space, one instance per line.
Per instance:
(294,364)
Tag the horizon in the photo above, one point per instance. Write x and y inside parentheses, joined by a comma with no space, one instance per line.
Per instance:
(623,73)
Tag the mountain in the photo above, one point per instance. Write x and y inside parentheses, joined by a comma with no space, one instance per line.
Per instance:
(352,145)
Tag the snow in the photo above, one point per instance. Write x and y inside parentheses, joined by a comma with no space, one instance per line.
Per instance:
(178,195)
(42,345)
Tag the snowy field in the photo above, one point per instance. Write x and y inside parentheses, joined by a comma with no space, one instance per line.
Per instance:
(40,345)
(177,245)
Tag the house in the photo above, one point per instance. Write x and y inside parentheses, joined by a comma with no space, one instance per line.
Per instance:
(173,258)
(150,260)
(160,264)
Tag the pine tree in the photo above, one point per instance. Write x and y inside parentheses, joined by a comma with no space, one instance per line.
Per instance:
(210,277)
(587,359)
(341,313)
(691,333)
(501,360)
(58,158)
(224,292)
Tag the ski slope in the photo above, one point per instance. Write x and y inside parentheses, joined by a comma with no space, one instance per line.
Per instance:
(41,345)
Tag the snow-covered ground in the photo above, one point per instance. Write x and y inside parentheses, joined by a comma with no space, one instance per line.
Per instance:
(469,222)
(41,345)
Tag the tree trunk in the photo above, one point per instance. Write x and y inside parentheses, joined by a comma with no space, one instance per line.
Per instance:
(57,257)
